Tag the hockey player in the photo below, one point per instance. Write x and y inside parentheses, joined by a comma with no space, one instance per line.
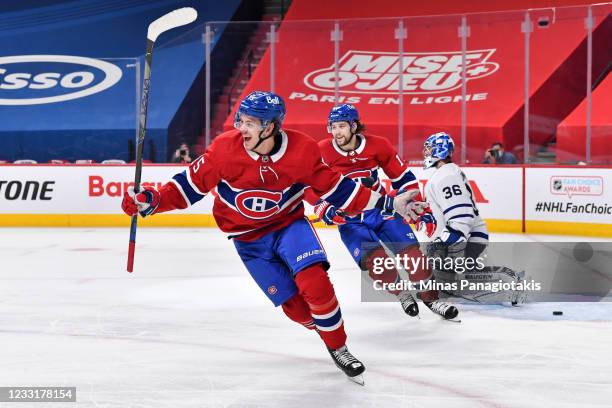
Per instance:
(460,230)
(260,172)
(360,157)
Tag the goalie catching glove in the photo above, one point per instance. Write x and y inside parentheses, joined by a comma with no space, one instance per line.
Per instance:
(144,202)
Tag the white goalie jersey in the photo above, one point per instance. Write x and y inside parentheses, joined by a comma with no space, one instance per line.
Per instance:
(450,197)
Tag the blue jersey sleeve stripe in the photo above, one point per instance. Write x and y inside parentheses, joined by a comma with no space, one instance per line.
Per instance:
(343,192)
(479,235)
(192,195)
(406,172)
(192,184)
(405,180)
(457,206)
(290,194)
(461,216)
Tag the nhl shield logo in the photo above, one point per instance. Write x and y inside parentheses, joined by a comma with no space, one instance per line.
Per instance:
(272,290)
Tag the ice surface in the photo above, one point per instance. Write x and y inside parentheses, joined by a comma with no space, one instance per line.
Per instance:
(190,329)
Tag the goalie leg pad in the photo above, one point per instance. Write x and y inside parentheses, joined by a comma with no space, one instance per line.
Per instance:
(489,274)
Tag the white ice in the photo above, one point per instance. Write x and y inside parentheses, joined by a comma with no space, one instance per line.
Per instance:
(189,328)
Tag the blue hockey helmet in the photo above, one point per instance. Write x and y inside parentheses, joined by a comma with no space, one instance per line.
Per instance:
(265,106)
(342,113)
(438,146)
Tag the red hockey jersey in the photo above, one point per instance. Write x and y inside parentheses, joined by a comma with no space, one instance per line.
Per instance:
(256,193)
(373,153)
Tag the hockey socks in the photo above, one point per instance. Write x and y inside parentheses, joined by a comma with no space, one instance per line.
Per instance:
(391,275)
(419,276)
(298,310)
(317,291)
(387,275)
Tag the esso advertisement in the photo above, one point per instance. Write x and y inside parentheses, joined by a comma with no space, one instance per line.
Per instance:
(572,195)
(79,190)
(43,79)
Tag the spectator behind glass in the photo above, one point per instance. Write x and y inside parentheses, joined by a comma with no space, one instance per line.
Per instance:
(182,155)
(497,155)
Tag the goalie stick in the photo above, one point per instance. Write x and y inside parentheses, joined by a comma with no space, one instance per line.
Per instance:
(173,19)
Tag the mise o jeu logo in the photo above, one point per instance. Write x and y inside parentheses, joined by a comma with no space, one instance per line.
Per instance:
(40,79)
(370,72)
(258,204)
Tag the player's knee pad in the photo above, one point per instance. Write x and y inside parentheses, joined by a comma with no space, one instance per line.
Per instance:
(298,310)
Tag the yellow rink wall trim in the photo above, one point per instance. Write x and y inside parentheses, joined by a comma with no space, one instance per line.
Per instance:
(105,220)
(569,228)
(207,220)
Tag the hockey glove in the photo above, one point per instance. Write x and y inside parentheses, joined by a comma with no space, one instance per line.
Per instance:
(385,212)
(145,202)
(426,223)
(329,214)
(405,204)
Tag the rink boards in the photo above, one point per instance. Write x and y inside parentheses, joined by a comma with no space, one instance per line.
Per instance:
(544,200)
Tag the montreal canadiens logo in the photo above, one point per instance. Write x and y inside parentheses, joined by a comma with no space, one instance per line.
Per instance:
(258,204)
(41,79)
(370,72)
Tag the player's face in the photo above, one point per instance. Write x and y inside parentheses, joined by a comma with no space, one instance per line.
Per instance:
(341,132)
(426,151)
(250,128)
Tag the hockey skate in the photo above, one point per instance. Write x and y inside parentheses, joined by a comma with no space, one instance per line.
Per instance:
(519,297)
(444,310)
(346,362)
(409,304)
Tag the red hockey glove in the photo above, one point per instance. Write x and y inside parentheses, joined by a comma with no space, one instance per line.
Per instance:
(145,202)
(329,214)
(426,223)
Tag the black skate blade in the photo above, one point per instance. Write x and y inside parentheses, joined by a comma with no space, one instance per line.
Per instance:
(455,320)
(358,379)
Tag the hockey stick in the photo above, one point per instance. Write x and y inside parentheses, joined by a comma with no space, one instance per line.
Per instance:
(176,18)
